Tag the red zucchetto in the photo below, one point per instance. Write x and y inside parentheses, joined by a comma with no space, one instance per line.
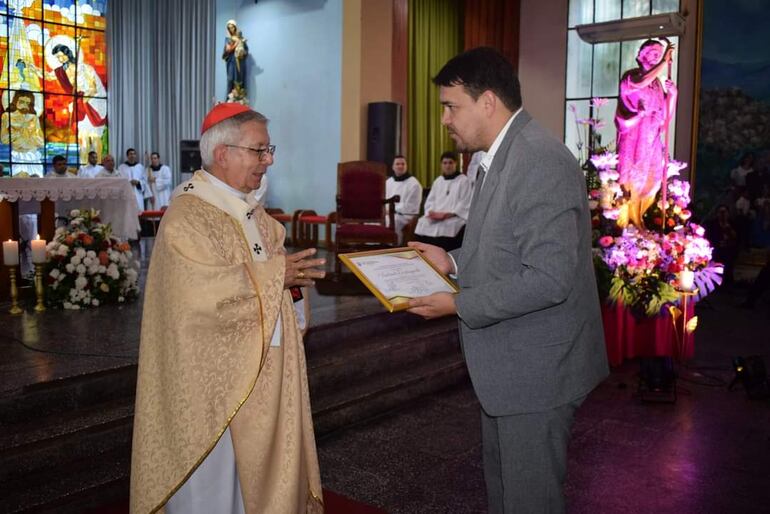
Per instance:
(221,112)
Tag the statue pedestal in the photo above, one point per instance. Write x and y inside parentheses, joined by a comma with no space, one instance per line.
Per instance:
(627,336)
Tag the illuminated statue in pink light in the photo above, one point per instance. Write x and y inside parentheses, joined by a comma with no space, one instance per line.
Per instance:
(645,108)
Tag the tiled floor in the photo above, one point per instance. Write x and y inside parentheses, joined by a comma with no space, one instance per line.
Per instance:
(707,453)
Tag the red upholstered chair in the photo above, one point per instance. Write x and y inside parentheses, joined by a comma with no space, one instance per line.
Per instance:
(282,217)
(153,217)
(308,222)
(361,209)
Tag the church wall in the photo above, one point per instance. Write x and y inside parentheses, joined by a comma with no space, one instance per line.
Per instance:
(294,79)
(366,68)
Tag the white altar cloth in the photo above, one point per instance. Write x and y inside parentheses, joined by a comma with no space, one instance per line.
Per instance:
(113,197)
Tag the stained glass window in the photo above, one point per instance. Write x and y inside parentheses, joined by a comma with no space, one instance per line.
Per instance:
(53,83)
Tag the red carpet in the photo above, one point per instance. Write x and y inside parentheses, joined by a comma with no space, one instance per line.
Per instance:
(334,504)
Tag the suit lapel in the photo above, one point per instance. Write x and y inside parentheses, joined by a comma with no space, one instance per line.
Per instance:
(482,199)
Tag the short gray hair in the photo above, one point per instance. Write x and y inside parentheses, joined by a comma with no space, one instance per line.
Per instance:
(226,132)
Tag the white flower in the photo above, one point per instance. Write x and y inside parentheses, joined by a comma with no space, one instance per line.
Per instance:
(75,259)
(80,252)
(121,299)
(64,250)
(93,270)
(131,275)
(70,268)
(74,213)
(112,271)
(80,269)
(80,282)
(91,254)
(87,261)
(54,273)
(102,269)
(95,302)
(67,305)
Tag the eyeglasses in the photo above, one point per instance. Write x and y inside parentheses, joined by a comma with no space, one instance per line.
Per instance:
(261,152)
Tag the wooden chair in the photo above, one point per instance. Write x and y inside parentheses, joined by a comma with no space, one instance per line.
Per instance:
(361,209)
(153,217)
(280,216)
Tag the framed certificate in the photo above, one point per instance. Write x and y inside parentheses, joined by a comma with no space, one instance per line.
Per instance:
(397,274)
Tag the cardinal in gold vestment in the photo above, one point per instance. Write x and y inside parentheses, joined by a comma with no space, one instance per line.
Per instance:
(215,295)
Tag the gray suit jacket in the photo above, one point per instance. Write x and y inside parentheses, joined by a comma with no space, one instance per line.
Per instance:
(530,319)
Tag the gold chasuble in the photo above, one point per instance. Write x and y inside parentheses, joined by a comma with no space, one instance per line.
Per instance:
(213,296)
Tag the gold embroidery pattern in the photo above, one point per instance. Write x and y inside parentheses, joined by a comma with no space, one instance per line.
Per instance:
(202,349)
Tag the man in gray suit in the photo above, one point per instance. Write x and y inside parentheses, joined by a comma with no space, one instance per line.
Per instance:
(528,307)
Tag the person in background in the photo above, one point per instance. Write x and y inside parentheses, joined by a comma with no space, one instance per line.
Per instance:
(159,181)
(59,168)
(91,169)
(446,208)
(134,171)
(108,168)
(409,192)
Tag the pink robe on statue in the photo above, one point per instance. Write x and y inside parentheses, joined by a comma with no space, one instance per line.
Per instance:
(640,117)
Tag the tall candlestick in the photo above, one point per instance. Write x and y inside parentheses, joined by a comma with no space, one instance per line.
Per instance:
(11,253)
(15,310)
(686,280)
(38,250)
(39,290)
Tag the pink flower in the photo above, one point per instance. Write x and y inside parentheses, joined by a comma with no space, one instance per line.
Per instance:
(605,160)
(599,102)
(606,241)
(674,167)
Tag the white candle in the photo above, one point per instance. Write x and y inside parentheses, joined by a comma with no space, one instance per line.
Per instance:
(686,280)
(38,250)
(10,253)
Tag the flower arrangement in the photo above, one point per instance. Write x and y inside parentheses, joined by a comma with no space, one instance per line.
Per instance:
(640,266)
(87,267)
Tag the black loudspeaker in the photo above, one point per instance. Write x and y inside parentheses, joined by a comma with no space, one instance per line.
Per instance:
(189,156)
(657,379)
(383,134)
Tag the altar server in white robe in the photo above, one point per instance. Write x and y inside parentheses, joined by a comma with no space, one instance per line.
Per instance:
(91,169)
(409,191)
(108,168)
(134,171)
(159,181)
(446,208)
(59,168)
